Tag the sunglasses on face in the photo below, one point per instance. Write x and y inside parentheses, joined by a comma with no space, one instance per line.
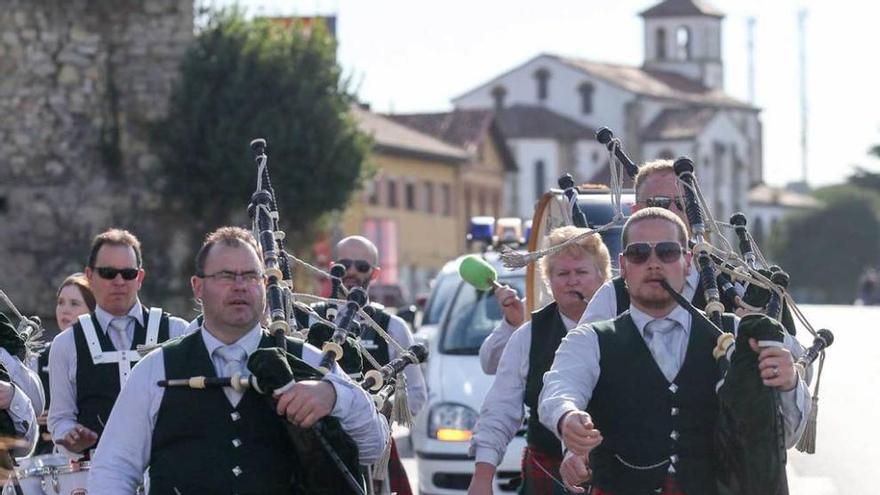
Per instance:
(110,273)
(666,251)
(362,266)
(226,277)
(665,202)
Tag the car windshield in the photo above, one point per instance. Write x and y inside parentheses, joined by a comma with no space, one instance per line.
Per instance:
(473,316)
(441,295)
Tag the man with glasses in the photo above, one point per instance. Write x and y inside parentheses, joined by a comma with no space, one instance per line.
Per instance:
(656,187)
(225,440)
(633,399)
(90,361)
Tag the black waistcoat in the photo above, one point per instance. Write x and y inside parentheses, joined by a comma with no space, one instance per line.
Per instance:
(201,444)
(699,299)
(647,421)
(371,341)
(97,385)
(547,333)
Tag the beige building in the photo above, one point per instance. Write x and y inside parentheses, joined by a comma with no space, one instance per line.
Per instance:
(410,207)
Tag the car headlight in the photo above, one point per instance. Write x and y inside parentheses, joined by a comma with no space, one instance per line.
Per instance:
(451,422)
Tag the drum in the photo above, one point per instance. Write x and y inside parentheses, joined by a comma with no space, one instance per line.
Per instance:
(52,474)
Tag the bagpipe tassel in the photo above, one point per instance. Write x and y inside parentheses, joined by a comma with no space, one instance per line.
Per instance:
(380,468)
(807,443)
(400,412)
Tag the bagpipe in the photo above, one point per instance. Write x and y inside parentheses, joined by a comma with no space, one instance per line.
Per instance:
(328,454)
(750,433)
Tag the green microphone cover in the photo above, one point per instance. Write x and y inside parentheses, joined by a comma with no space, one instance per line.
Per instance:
(477,272)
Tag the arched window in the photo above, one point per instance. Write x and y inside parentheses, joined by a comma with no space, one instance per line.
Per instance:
(586,91)
(498,94)
(660,41)
(683,43)
(540,184)
(541,77)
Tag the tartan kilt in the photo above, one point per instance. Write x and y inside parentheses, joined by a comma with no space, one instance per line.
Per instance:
(397,478)
(670,487)
(534,480)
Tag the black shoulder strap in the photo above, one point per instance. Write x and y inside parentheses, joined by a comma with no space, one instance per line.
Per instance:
(622,295)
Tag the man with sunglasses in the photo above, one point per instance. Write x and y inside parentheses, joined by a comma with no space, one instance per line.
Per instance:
(90,361)
(656,187)
(634,398)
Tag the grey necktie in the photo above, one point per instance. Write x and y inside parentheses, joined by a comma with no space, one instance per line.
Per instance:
(118,333)
(233,358)
(658,336)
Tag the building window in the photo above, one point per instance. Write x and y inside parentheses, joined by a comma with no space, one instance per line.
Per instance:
(660,40)
(540,184)
(586,91)
(410,195)
(468,211)
(541,78)
(496,204)
(683,43)
(481,201)
(446,200)
(392,193)
(373,192)
(498,94)
(429,197)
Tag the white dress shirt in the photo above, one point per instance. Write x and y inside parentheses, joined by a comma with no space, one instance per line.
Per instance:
(603,305)
(62,367)
(121,460)
(27,401)
(569,384)
(493,346)
(501,414)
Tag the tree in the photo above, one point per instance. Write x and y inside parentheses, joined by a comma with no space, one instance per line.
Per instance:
(826,250)
(245,79)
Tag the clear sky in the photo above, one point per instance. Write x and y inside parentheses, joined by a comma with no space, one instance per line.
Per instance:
(411,56)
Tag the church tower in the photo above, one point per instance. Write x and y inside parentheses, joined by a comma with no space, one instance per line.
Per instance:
(684,36)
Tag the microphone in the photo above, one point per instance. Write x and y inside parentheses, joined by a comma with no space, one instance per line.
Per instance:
(478,272)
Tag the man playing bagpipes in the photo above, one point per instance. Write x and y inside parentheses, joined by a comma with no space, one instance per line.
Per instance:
(21,395)
(572,274)
(634,399)
(228,440)
(90,361)
(360,259)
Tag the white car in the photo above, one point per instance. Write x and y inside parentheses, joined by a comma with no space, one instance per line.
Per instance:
(456,386)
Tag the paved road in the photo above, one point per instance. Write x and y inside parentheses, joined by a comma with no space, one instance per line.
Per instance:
(848,443)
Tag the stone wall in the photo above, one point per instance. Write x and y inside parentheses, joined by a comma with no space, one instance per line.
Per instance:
(81,83)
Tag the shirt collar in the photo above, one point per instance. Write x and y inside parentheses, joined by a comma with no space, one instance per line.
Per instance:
(678,314)
(569,324)
(249,341)
(104,318)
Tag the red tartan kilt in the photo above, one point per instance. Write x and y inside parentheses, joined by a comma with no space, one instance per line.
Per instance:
(397,477)
(670,487)
(535,480)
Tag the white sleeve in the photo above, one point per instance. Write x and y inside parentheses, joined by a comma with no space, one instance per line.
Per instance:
(416,390)
(27,380)
(62,383)
(493,346)
(123,453)
(796,403)
(355,410)
(569,384)
(25,420)
(178,327)
(502,411)
(603,305)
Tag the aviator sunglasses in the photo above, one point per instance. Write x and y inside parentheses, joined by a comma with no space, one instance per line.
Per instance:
(362,266)
(639,252)
(109,273)
(665,202)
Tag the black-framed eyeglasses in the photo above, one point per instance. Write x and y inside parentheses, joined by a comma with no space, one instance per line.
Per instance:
(665,202)
(109,273)
(362,266)
(227,277)
(666,251)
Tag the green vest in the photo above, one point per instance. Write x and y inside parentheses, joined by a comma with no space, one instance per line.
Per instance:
(547,333)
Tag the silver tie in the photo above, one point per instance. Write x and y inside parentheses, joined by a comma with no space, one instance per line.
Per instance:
(233,358)
(658,336)
(119,333)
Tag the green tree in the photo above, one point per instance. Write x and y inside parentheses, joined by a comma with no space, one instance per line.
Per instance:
(245,79)
(826,250)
